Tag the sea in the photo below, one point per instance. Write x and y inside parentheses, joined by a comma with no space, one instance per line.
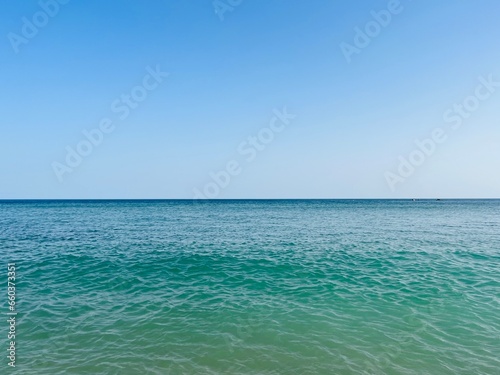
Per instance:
(251,287)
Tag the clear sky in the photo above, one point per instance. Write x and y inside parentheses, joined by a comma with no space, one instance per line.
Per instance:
(354,84)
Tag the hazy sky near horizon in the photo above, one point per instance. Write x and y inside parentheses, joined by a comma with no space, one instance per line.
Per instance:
(331,111)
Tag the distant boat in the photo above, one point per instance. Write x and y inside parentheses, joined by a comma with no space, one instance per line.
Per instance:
(438,199)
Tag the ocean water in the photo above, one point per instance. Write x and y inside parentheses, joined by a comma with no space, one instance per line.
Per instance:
(253,287)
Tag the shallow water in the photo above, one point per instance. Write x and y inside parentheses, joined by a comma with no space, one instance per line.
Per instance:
(254,287)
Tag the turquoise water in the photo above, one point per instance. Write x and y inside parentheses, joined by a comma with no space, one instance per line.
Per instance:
(254,287)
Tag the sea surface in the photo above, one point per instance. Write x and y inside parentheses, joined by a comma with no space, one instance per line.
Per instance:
(253,287)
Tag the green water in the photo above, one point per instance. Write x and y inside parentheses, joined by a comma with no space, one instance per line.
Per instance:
(253,287)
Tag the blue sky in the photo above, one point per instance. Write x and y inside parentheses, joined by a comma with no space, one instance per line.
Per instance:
(352,121)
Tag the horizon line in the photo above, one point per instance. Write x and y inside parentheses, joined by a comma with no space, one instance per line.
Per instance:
(231,199)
